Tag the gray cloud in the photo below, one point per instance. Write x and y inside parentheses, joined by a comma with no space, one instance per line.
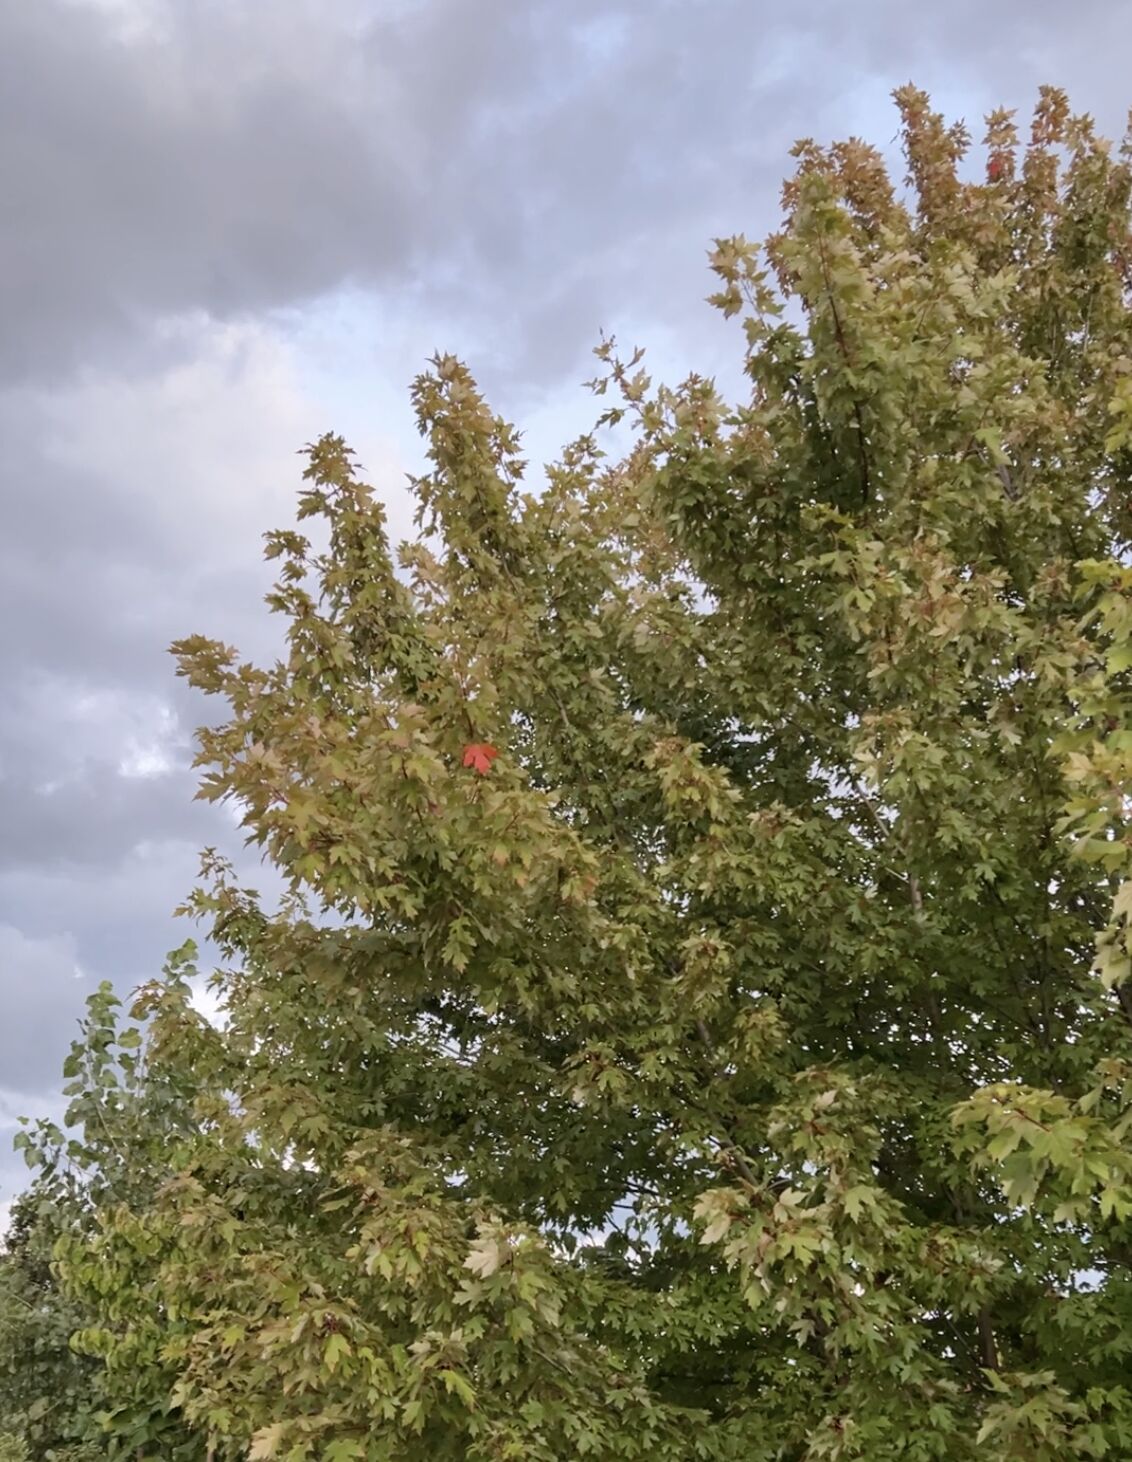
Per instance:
(187,184)
(37,1011)
(235,160)
(194,168)
(92,818)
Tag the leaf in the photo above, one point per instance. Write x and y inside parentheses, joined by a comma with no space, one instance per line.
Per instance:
(479,755)
(486,1255)
(266,1441)
(857,1198)
(455,1382)
(336,1348)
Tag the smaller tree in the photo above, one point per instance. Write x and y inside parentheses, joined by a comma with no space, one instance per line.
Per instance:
(48,1393)
(124,1122)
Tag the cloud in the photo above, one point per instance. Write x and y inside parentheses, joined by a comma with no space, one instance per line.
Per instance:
(208,162)
(229,226)
(531,162)
(129,781)
(140,500)
(38,1011)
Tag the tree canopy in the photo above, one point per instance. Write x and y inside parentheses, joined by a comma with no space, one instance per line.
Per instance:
(699,1022)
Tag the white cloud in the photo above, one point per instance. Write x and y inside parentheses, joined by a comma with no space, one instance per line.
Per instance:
(203,449)
(130,20)
(206,1002)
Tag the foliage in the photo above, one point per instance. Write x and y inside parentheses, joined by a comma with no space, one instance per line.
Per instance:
(699,1023)
(45,1389)
(125,1119)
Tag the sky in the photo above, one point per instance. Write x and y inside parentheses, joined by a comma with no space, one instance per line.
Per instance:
(228,226)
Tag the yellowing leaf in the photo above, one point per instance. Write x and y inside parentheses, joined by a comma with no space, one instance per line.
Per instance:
(266,1441)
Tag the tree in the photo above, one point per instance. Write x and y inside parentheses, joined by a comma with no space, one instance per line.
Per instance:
(127,1119)
(46,1391)
(699,1022)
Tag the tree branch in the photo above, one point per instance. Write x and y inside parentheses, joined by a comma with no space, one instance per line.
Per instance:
(729,1145)
(988,1349)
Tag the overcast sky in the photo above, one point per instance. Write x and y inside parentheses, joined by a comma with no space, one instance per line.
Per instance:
(227,226)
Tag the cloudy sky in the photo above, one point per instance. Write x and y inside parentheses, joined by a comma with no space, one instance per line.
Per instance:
(229,225)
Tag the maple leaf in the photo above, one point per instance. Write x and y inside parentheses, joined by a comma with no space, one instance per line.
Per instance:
(266,1441)
(479,756)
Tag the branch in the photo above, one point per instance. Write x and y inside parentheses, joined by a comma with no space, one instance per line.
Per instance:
(988,1349)
(843,346)
(729,1145)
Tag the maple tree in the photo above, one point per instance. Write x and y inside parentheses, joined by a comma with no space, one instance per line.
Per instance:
(737,1064)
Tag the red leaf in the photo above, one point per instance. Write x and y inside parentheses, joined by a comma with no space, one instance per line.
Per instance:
(994,169)
(479,756)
